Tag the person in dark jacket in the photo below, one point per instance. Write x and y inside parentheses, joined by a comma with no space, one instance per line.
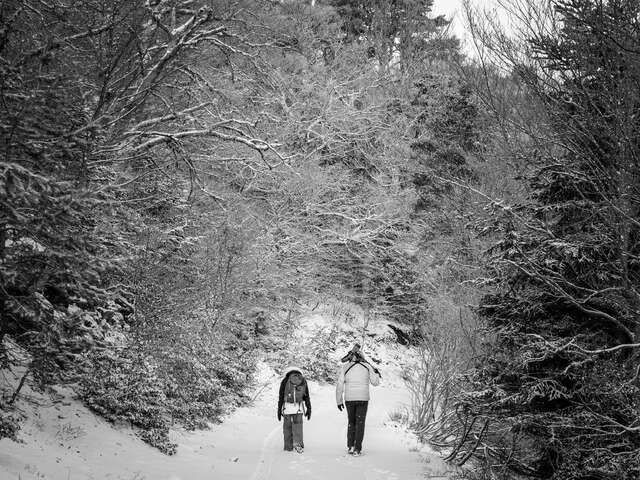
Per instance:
(294,402)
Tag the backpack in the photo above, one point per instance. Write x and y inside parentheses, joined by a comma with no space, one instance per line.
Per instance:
(295,389)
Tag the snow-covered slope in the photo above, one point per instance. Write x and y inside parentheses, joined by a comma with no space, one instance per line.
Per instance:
(65,441)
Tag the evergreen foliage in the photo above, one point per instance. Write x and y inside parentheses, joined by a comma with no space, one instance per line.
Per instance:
(556,394)
(396,32)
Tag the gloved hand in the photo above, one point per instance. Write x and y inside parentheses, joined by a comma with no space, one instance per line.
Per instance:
(279,415)
(341,406)
(308,414)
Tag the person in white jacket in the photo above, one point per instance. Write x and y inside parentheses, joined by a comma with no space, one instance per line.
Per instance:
(352,391)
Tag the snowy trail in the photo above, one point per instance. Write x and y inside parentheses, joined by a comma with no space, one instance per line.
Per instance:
(247,446)
(65,441)
(387,454)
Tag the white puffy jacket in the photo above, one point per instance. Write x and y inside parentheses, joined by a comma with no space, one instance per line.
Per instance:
(354,385)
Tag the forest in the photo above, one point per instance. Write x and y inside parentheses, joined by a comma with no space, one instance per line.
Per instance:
(179,177)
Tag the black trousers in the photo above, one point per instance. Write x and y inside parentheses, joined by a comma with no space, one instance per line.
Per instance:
(357,414)
(292,430)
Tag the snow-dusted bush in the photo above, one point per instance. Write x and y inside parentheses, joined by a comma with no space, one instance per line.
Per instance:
(318,354)
(313,351)
(152,393)
(9,426)
(128,390)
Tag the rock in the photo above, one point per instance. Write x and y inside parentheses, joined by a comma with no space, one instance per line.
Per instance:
(404,338)
(234,459)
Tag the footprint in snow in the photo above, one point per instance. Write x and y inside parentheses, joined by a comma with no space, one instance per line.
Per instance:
(386,474)
(300,465)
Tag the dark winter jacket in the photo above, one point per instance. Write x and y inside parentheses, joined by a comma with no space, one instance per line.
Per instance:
(306,399)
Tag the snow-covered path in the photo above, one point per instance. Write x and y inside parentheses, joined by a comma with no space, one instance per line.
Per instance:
(65,441)
(247,446)
(254,437)
(387,449)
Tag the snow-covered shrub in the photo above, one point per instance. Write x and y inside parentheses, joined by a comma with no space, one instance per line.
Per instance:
(444,355)
(314,353)
(201,389)
(154,390)
(9,426)
(159,438)
(319,354)
(125,389)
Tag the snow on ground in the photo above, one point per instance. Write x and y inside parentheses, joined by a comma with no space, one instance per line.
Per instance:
(65,441)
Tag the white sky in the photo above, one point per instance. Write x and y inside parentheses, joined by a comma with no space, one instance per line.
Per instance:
(453,9)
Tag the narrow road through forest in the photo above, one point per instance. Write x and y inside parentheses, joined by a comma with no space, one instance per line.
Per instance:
(249,445)
(255,437)
(65,441)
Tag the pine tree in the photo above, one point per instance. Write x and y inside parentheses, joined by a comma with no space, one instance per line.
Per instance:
(557,394)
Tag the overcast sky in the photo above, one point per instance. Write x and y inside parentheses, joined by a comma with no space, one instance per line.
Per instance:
(453,9)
